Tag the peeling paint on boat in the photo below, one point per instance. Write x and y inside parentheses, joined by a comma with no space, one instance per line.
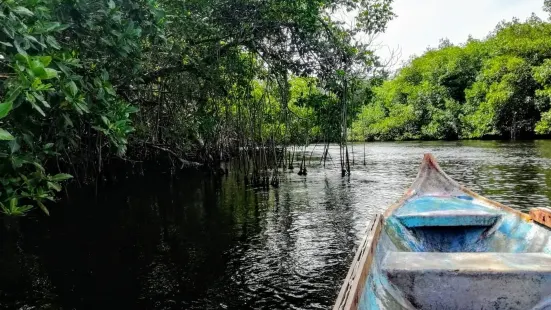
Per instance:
(444,247)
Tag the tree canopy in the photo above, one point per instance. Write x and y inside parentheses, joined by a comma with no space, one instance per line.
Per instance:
(84,84)
(498,86)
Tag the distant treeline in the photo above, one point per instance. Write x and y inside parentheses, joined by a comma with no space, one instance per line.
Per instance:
(496,87)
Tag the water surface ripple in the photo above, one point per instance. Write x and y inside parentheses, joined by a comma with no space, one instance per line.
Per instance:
(207,243)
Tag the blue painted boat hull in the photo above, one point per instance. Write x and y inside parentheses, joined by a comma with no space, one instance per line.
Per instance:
(443,246)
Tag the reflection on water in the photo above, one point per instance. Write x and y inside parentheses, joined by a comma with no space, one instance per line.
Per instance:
(202,242)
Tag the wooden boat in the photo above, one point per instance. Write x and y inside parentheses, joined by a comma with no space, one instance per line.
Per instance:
(442,246)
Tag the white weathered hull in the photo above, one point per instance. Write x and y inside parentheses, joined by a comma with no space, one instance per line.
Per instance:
(443,246)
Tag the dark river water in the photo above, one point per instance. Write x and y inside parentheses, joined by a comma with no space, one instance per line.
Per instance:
(202,242)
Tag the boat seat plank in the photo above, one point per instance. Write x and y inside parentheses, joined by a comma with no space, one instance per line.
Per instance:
(432,280)
(448,218)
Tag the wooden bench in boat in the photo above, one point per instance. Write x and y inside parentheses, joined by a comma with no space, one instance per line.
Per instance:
(448,218)
(432,280)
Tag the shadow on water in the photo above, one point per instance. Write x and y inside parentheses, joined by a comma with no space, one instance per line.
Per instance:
(197,241)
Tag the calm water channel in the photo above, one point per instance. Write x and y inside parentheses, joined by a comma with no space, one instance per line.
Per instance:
(211,243)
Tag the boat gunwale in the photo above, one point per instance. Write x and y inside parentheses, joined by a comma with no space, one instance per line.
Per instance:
(354,282)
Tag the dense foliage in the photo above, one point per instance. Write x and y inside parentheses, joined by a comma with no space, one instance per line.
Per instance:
(499,86)
(84,84)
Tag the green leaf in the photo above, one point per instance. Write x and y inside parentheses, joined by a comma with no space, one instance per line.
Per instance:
(82,107)
(9,31)
(116,33)
(38,108)
(111,4)
(51,26)
(68,121)
(73,89)
(61,177)
(14,208)
(102,130)
(62,27)
(25,179)
(45,60)
(5,108)
(6,44)
(19,49)
(21,10)
(52,42)
(38,69)
(40,98)
(13,203)
(63,68)
(33,39)
(39,166)
(13,94)
(5,136)
(105,120)
(109,89)
(30,98)
(36,83)
(50,74)
(28,139)
(23,209)
(104,75)
(132,109)
(23,58)
(14,146)
(43,207)
(17,162)
(43,87)
(56,187)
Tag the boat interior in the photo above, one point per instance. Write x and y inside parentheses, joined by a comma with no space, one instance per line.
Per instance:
(444,247)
